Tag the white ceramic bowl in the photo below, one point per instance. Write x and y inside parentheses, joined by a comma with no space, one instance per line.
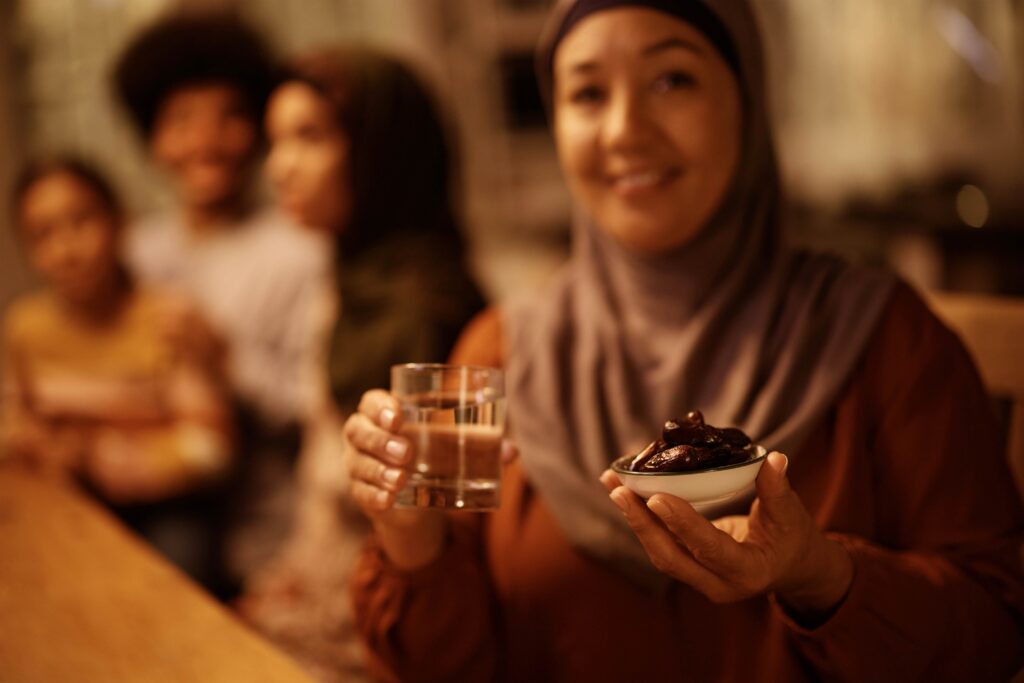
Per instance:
(704,489)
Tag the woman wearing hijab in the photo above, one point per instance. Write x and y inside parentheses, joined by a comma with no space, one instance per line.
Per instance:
(884,547)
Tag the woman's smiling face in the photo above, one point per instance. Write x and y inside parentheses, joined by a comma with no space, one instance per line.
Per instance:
(648,125)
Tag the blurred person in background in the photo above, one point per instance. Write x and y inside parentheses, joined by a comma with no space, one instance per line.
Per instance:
(885,546)
(358,151)
(196,86)
(92,390)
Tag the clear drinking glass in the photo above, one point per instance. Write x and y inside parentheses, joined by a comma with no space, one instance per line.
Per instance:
(454,417)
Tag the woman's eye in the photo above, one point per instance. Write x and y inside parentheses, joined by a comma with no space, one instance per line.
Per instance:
(310,134)
(87,217)
(590,94)
(674,80)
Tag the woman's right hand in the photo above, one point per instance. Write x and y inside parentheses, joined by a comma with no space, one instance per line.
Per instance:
(378,457)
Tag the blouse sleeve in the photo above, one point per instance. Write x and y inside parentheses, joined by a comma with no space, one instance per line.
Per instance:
(438,623)
(434,624)
(941,595)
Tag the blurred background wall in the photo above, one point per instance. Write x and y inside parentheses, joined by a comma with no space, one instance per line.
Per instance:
(13,274)
(900,123)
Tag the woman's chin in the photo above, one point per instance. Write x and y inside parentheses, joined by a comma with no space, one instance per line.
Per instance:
(647,229)
(648,240)
(302,218)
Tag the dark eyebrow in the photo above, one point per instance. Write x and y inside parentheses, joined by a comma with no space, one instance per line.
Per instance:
(584,67)
(660,46)
(673,42)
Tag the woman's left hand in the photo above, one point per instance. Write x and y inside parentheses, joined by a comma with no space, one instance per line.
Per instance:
(776,548)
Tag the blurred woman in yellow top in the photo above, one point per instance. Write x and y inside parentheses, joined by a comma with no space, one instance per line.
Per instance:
(92,388)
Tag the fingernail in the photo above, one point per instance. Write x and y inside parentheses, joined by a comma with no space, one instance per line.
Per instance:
(396,449)
(382,497)
(619,500)
(785,461)
(391,475)
(658,507)
(387,418)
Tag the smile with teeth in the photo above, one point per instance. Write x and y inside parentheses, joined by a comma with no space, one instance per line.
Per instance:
(641,180)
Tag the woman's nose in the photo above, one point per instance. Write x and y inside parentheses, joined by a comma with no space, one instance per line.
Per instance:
(279,165)
(626,125)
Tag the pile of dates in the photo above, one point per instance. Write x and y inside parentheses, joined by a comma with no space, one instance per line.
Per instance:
(688,444)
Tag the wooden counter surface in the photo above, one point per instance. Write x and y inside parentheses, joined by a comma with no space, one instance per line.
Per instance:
(82,599)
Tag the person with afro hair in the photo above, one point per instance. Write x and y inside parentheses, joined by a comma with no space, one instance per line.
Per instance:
(195,85)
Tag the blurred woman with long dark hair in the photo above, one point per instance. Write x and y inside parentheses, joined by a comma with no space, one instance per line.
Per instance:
(358,150)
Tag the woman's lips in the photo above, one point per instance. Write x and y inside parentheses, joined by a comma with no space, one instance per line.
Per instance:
(639,183)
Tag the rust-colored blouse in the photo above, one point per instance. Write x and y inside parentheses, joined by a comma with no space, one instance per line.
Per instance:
(906,471)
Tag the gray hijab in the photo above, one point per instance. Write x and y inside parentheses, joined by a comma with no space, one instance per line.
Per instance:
(733,323)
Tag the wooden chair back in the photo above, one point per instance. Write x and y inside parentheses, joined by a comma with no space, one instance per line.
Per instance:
(992,328)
